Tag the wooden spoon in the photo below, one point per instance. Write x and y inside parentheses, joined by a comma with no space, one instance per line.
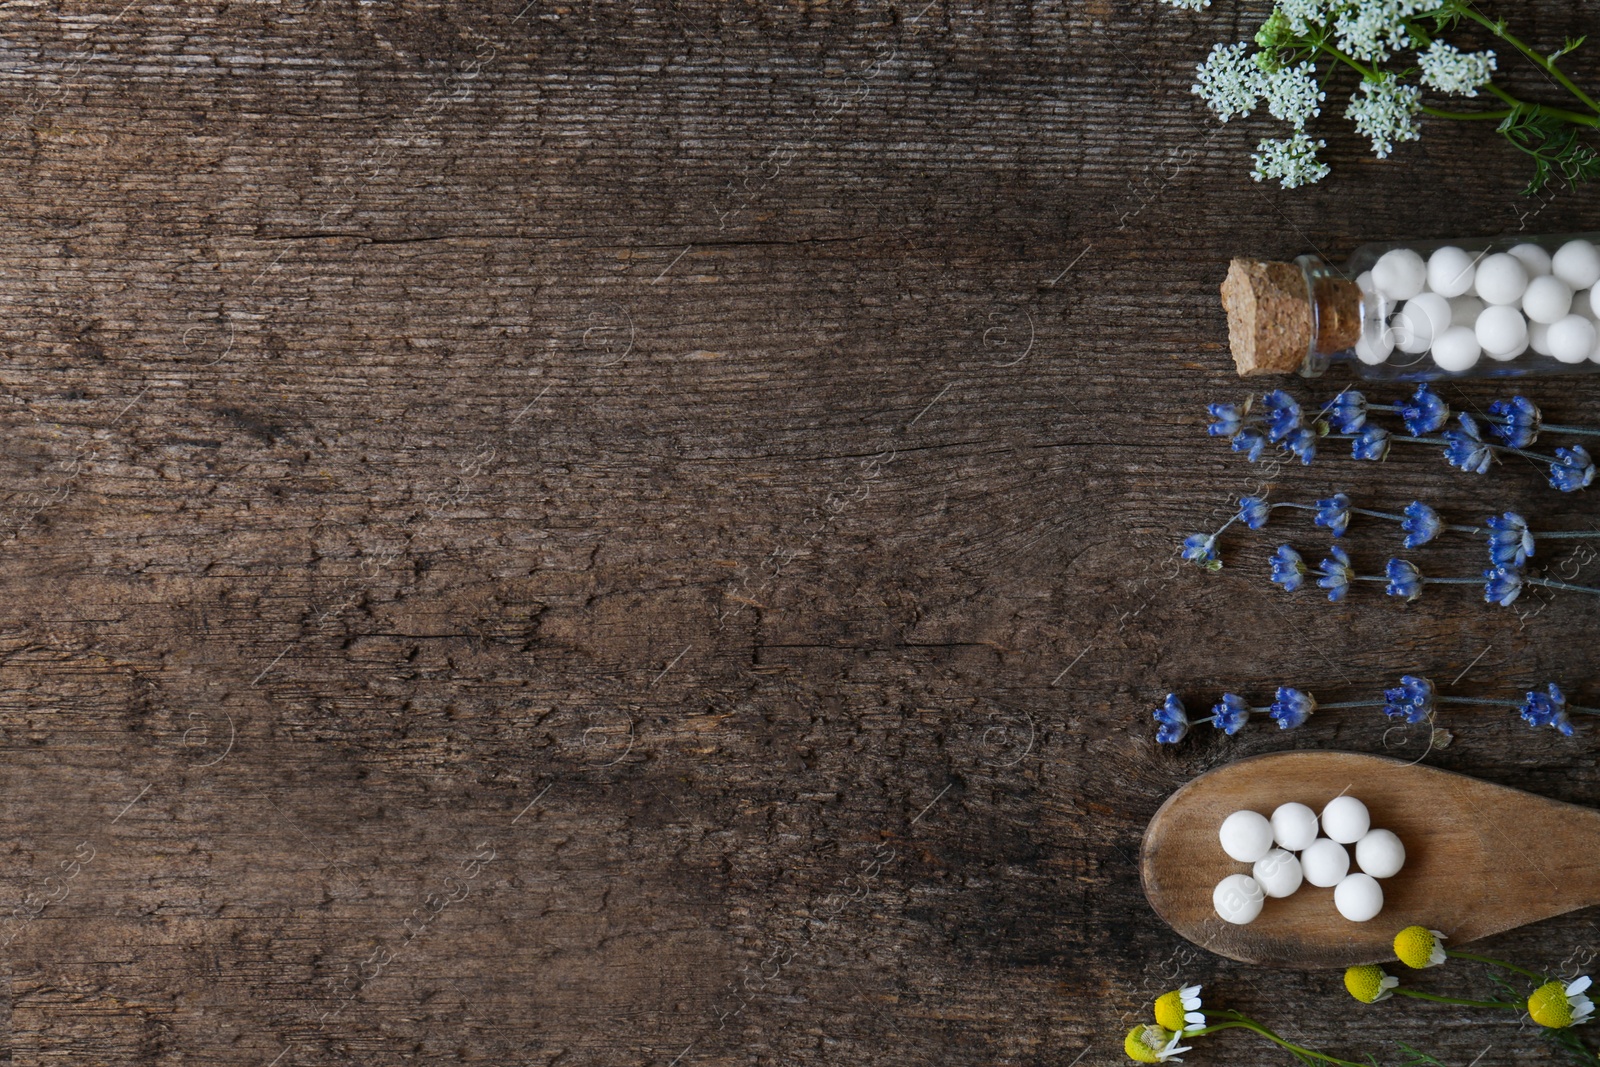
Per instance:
(1480,858)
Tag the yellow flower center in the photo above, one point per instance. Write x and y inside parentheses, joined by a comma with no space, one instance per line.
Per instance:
(1549,1006)
(1414,946)
(1169,1011)
(1145,1042)
(1364,983)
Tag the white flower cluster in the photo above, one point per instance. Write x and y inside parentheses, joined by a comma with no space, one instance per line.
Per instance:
(1235,79)
(1293,94)
(1229,81)
(1372,30)
(1386,111)
(1293,162)
(1304,14)
(1450,70)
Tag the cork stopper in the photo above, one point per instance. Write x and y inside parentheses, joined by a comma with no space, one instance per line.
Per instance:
(1270,319)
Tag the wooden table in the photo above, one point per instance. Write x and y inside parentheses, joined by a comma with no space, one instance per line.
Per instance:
(547,535)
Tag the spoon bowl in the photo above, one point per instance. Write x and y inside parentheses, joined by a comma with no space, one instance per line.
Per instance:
(1480,858)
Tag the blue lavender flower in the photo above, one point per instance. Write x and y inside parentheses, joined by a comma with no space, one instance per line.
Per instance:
(1371,443)
(1336,574)
(1282,415)
(1201,549)
(1249,441)
(1573,469)
(1334,513)
(1253,512)
(1404,579)
(1302,443)
(1421,524)
(1230,714)
(1502,585)
(1424,413)
(1466,449)
(1288,568)
(1547,709)
(1347,412)
(1292,707)
(1510,540)
(1521,426)
(1411,701)
(1229,420)
(1174,721)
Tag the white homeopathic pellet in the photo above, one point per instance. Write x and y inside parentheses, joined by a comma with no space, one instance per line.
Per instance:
(1571,339)
(1457,349)
(1421,319)
(1345,820)
(1277,873)
(1324,863)
(1294,826)
(1535,258)
(1400,274)
(1501,279)
(1502,331)
(1358,897)
(1246,836)
(1547,299)
(1577,263)
(1450,271)
(1238,898)
(1380,854)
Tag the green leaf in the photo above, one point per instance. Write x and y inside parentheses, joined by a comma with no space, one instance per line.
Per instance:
(1554,146)
(1572,44)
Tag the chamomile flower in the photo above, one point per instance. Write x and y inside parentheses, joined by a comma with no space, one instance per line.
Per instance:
(1450,70)
(1179,1009)
(1151,1043)
(1386,111)
(1559,1006)
(1369,984)
(1418,947)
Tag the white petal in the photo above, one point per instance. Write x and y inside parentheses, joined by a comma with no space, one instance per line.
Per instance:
(1578,985)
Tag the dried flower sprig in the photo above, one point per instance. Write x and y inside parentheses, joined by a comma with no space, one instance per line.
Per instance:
(1414,700)
(1502,584)
(1511,541)
(1303,43)
(1516,422)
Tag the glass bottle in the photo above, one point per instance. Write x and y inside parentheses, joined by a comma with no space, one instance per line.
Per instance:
(1422,310)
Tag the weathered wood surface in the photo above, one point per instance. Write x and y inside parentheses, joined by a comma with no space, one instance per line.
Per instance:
(563,535)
